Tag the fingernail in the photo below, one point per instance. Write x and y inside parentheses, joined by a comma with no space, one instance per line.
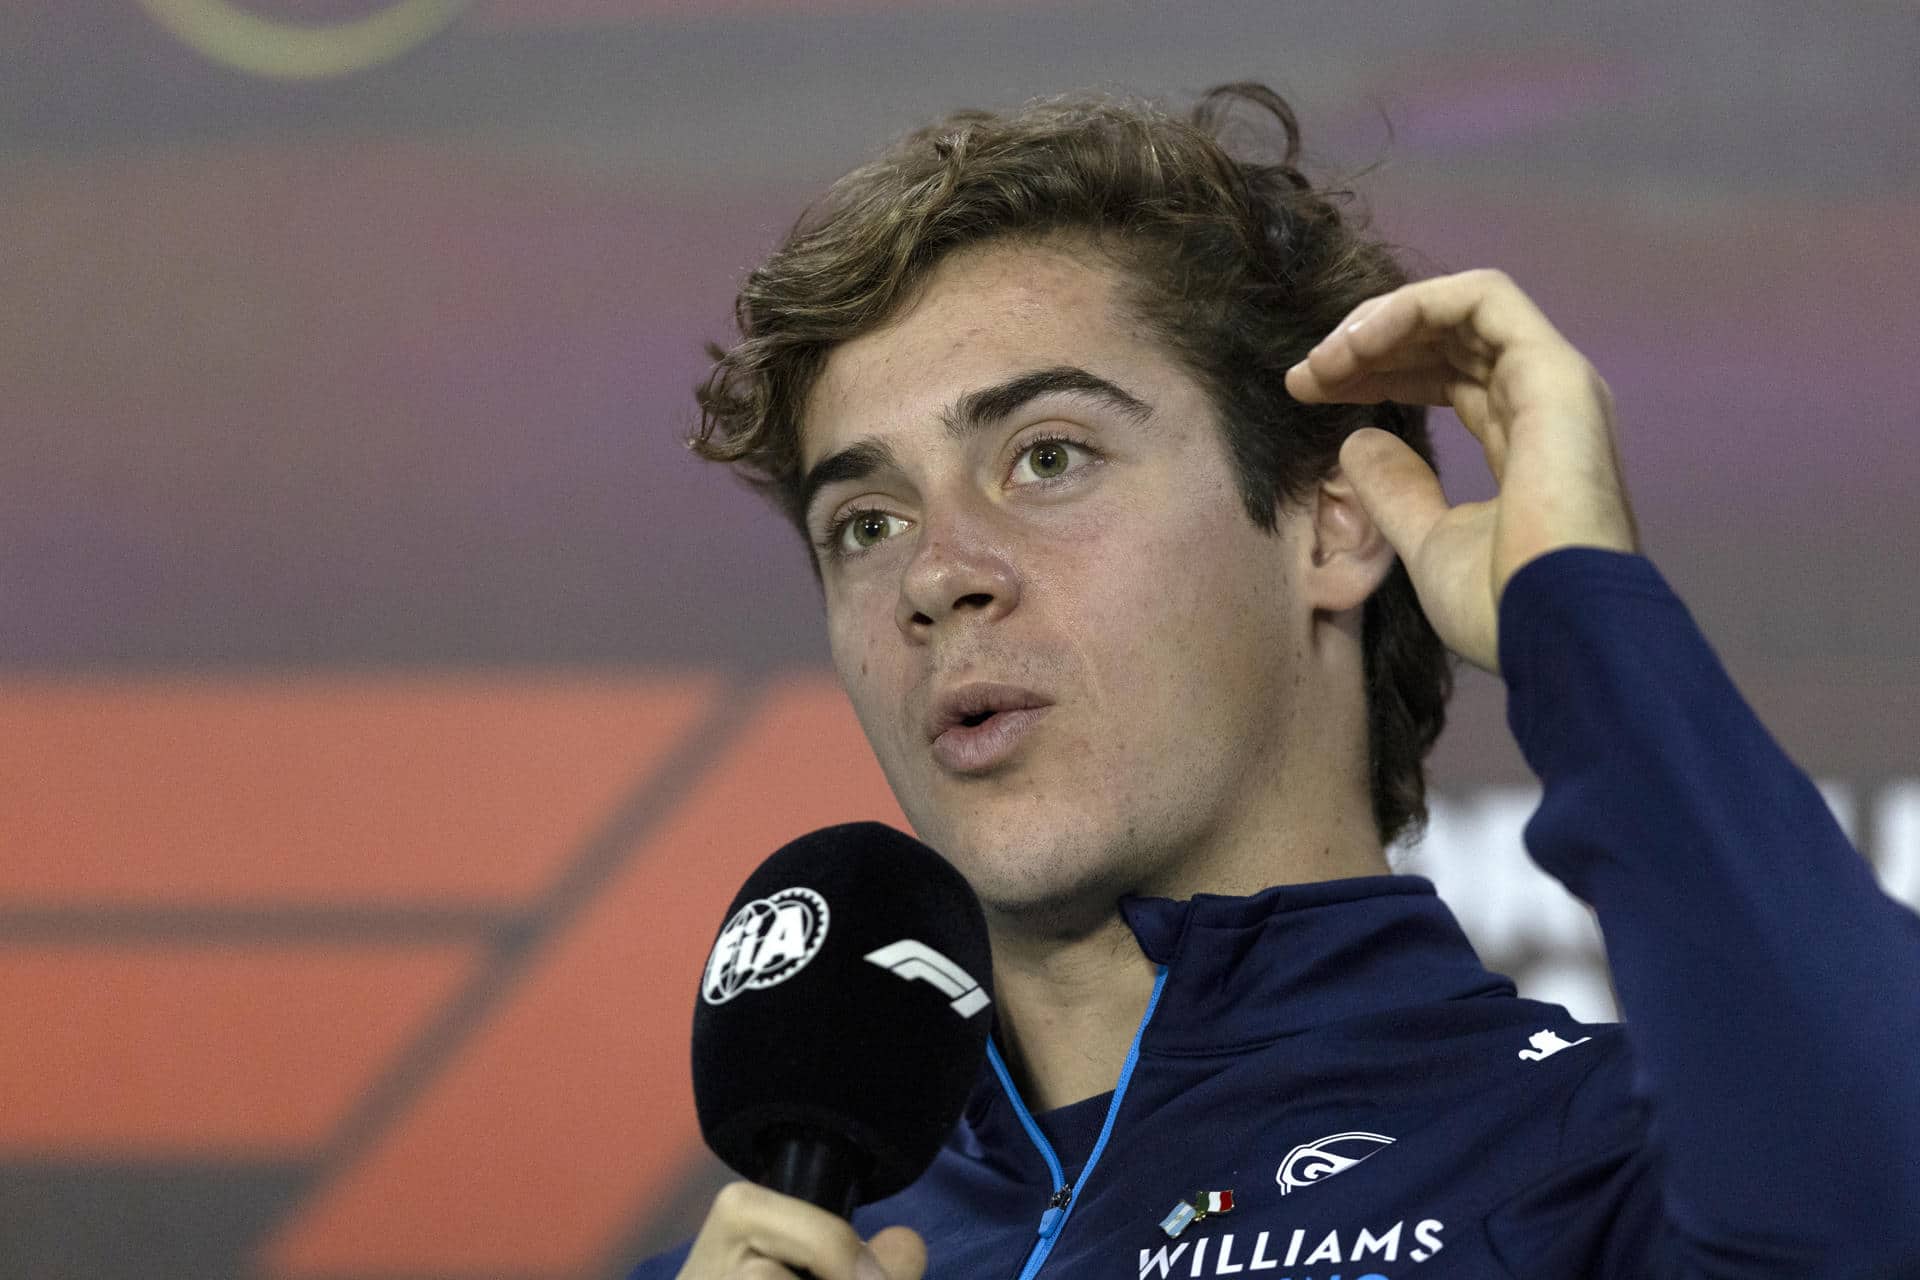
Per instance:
(867,1267)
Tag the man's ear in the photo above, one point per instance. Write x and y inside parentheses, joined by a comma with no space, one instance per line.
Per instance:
(1347,555)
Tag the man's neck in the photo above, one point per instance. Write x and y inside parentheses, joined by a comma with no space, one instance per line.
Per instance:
(1068,1010)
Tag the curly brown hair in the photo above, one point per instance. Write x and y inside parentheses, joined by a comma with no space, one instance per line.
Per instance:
(1238,265)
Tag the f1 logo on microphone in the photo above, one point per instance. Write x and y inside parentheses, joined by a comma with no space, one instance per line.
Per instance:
(916,960)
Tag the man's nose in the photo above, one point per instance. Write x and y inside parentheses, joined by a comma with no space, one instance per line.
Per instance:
(956,570)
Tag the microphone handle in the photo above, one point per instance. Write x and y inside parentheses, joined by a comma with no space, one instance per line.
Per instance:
(816,1166)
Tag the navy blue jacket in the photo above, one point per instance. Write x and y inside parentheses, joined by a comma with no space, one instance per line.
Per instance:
(1380,1106)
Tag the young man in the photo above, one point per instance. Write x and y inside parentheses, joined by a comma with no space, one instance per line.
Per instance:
(1099,433)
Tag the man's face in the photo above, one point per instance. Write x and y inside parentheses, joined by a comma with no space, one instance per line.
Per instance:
(1083,550)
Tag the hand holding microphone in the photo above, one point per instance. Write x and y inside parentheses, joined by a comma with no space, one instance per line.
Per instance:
(762,1234)
(841,1022)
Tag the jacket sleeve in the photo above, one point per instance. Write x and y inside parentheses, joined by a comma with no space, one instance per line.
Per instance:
(1770,1124)
(662,1266)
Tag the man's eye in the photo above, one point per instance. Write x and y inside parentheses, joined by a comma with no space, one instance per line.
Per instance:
(1048,459)
(863,529)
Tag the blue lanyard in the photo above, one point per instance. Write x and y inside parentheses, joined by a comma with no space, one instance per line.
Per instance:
(1063,1199)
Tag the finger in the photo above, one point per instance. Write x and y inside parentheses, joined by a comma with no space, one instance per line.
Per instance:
(1343,368)
(1396,488)
(1429,385)
(1334,360)
(1463,321)
(901,1251)
(1485,307)
(748,1220)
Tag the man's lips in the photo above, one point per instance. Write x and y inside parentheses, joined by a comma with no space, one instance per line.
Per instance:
(975,727)
(979,748)
(955,706)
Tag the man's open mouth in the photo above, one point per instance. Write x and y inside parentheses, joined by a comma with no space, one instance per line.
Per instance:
(972,705)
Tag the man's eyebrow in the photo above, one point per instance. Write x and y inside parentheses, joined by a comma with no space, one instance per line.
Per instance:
(983,408)
(975,411)
(855,462)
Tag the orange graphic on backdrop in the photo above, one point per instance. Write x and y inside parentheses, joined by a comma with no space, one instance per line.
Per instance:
(572,1111)
(189,1051)
(144,813)
(442,791)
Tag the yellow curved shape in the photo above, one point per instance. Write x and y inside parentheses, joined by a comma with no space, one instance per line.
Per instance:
(228,34)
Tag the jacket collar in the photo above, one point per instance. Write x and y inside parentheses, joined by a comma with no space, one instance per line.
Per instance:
(1245,971)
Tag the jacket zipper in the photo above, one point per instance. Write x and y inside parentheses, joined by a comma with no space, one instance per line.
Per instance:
(1060,1204)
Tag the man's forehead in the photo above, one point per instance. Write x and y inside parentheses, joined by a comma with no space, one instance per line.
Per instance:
(980,315)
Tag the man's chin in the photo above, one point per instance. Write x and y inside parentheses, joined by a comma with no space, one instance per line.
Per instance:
(1054,920)
(1030,893)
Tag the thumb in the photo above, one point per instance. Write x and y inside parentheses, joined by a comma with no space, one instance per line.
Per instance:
(901,1251)
(1399,491)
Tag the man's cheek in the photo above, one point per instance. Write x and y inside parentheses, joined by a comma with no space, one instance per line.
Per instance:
(854,651)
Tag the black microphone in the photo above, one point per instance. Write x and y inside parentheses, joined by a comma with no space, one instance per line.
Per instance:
(843,1016)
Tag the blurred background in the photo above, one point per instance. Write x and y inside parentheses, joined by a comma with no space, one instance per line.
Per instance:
(389,706)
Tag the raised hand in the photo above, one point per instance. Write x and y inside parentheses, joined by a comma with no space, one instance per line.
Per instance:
(1542,415)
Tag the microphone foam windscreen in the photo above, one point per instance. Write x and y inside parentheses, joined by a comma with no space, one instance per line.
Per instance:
(849,992)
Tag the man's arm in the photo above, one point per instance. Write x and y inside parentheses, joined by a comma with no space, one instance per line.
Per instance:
(1771,990)
(1772,993)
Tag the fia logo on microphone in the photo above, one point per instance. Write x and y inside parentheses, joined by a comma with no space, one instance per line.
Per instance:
(768,941)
